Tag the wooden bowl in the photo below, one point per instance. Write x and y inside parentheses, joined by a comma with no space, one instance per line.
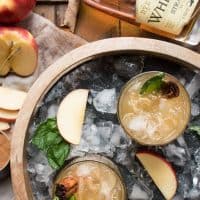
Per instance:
(5,155)
(64,65)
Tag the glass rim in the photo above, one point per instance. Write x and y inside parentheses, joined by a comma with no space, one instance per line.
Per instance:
(96,158)
(127,84)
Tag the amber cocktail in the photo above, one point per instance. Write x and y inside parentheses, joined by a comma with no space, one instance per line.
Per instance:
(154,108)
(89,178)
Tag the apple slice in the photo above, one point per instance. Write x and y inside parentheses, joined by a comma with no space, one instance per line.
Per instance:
(25,60)
(11,99)
(160,171)
(8,115)
(4,51)
(21,51)
(70,116)
(4,126)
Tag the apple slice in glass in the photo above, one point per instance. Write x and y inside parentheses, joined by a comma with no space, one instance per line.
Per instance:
(160,171)
(70,116)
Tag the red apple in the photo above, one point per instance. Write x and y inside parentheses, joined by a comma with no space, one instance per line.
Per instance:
(20,51)
(13,11)
(160,171)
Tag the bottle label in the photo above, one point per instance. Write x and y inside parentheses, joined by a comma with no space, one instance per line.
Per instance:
(166,15)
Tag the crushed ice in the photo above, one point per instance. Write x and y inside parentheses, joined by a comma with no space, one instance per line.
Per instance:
(102,133)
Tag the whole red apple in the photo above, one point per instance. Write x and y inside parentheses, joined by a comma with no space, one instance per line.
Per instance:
(13,11)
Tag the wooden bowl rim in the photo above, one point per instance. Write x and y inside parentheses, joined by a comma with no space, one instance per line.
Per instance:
(64,65)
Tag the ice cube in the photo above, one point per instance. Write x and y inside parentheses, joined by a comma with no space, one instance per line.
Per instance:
(175,154)
(197,156)
(141,123)
(52,111)
(138,123)
(106,101)
(128,66)
(193,194)
(84,170)
(195,110)
(193,86)
(119,138)
(138,194)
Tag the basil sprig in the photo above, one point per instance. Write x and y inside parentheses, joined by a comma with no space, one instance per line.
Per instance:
(153,84)
(48,139)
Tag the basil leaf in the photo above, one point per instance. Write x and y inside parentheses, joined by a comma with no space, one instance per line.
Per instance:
(48,139)
(57,154)
(153,84)
(72,198)
(43,131)
(195,128)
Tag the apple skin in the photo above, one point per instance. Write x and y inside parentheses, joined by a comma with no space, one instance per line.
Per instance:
(13,11)
(17,34)
(21,32)
(161,158)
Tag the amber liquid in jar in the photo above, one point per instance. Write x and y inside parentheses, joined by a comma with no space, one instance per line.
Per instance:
(95,181)
(152,119)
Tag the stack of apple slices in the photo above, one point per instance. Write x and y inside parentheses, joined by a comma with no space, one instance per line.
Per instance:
(11,101)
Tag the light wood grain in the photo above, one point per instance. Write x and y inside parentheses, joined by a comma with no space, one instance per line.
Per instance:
(47,11)
(63,66)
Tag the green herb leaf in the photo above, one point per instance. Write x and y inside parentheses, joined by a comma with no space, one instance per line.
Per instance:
(48,139)
(57,154)
(46,134)
(72,198)
(153,84)
(56,198)
(195,128)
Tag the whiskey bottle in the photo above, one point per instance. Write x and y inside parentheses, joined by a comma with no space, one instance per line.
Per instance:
(175,19)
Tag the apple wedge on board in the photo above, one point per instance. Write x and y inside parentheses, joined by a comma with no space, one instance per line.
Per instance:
(160,171)
(70,116)
(11,99)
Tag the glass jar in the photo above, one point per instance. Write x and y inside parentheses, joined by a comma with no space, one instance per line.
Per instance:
(95,175)
(155,118)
